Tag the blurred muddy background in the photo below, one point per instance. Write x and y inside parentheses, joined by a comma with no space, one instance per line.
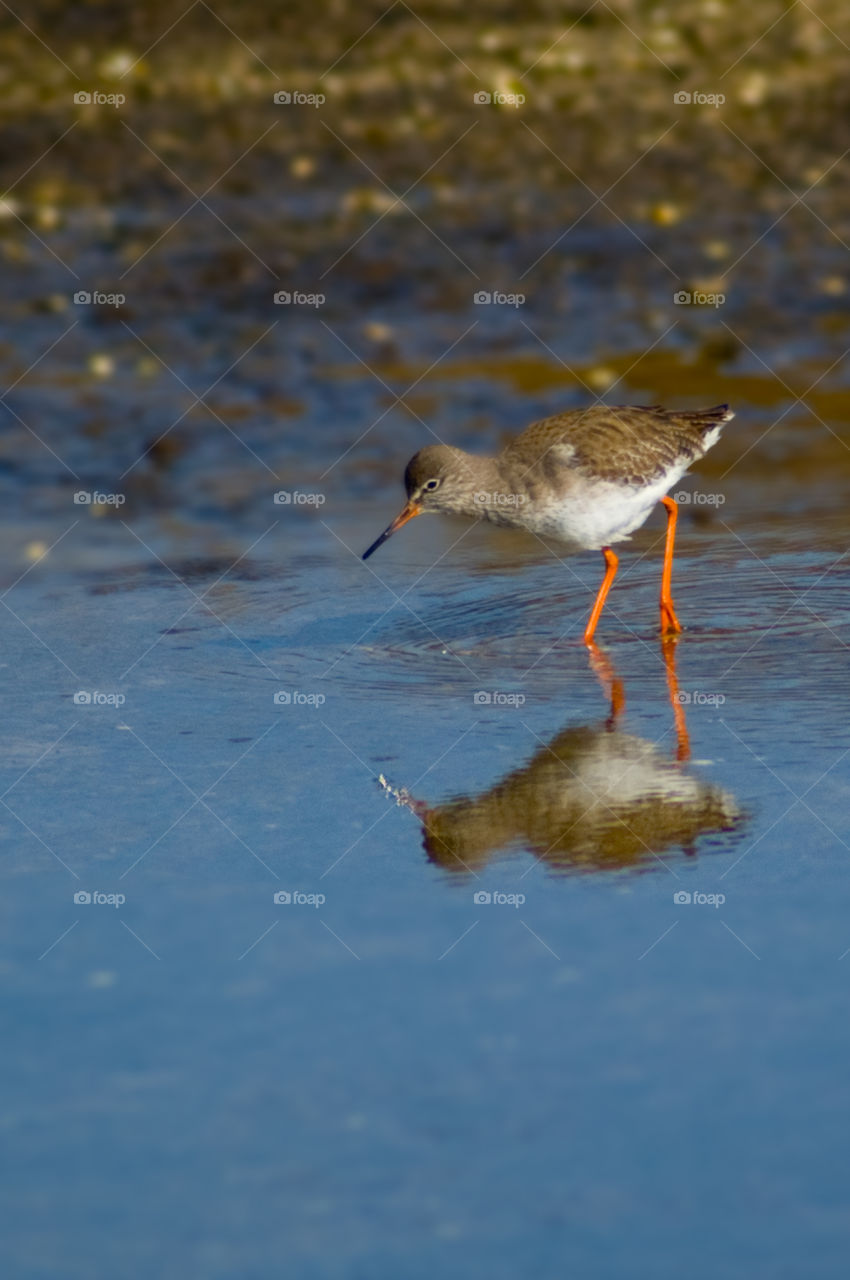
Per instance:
(244,254)
(399,198)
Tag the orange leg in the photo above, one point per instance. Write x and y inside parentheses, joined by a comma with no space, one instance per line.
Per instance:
(613,686)
(677,699)
(611,563)
(669,622)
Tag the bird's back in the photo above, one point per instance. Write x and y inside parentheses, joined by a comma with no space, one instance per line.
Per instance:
(631,445)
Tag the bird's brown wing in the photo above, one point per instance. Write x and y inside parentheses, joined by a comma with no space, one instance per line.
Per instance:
(627,444)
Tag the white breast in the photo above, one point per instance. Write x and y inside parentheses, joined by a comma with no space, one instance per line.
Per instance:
(597,512)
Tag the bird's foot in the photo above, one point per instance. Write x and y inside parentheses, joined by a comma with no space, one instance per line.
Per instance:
(670,624)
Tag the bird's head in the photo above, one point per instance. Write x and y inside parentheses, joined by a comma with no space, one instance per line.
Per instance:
(437,478)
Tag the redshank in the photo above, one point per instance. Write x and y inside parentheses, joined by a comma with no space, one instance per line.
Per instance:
(588,477)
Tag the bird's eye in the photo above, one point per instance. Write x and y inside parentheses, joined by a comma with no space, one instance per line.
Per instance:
(430,485)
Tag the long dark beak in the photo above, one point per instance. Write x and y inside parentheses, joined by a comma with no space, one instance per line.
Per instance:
(410,510)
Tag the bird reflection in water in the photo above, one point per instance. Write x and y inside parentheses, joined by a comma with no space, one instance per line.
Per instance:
(593,799)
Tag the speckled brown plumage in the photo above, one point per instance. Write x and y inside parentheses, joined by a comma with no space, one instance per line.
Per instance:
(621,444)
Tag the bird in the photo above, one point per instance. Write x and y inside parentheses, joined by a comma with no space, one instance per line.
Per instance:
(594,798)
(587,477)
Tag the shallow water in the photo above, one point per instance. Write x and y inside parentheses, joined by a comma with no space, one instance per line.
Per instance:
(374,1063)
